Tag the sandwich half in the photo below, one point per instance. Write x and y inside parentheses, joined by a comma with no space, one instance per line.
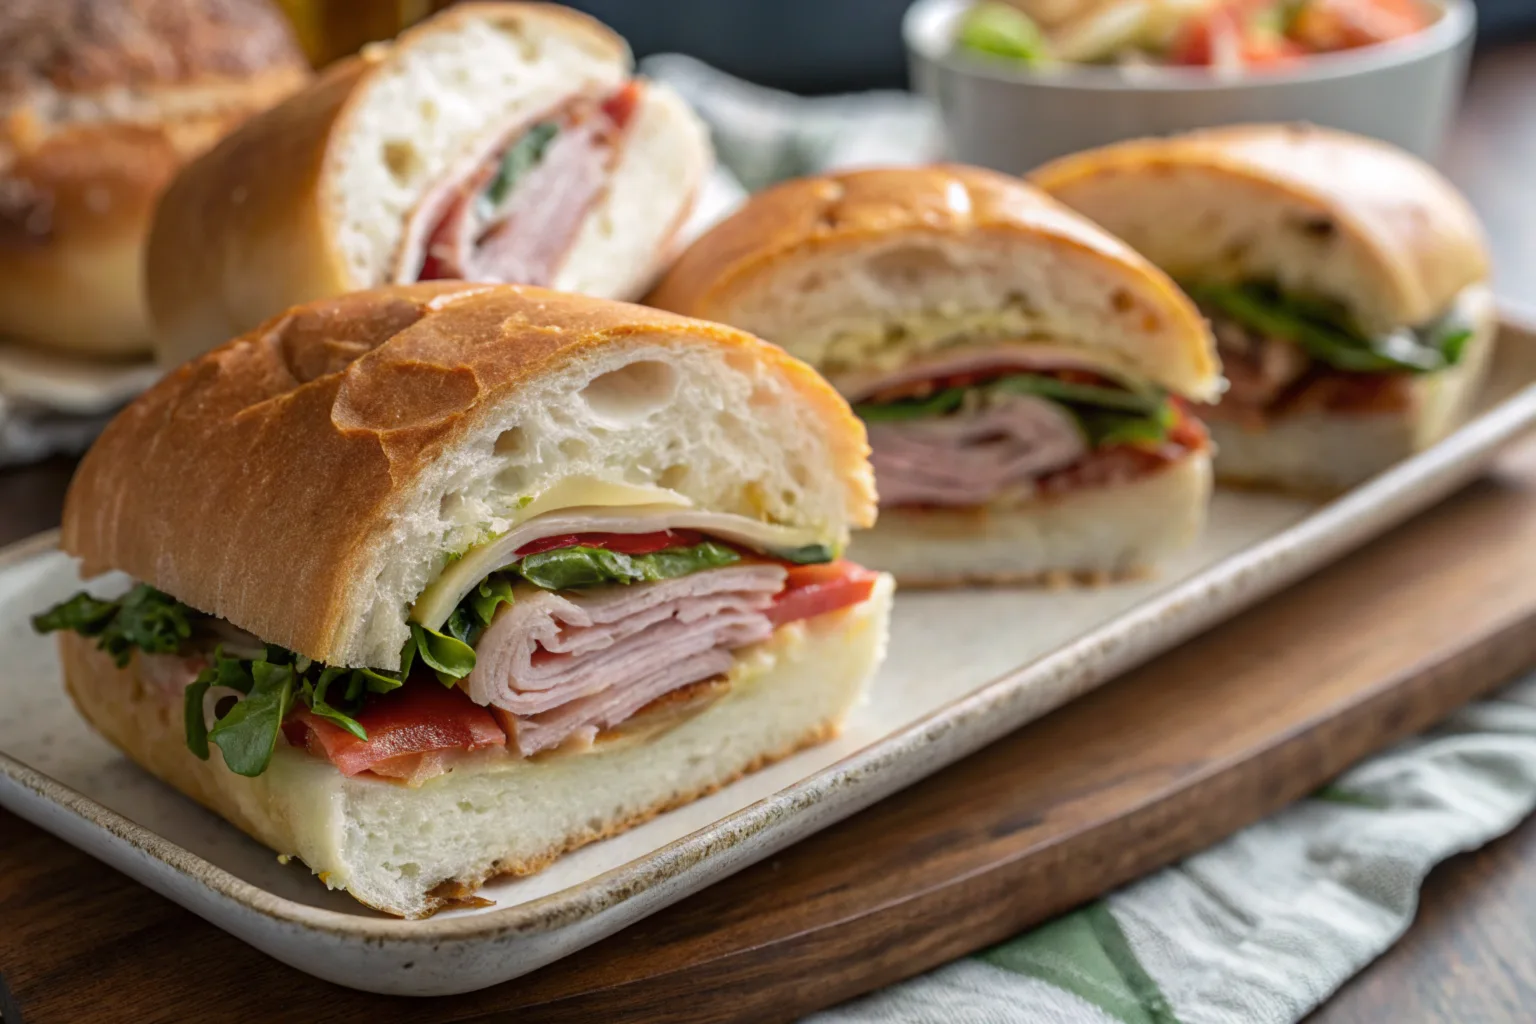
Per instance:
(101,102)
(1346,282)
(1020,371)
(502,142)
(433,583)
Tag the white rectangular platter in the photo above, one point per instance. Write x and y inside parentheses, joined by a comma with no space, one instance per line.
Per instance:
(965,667)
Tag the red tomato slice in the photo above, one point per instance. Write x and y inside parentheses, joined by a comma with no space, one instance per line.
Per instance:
(620,107)
(812,590)
(421,716)
(623,543)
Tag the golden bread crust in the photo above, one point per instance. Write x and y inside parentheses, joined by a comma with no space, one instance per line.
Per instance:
(254,482)
(1421,233)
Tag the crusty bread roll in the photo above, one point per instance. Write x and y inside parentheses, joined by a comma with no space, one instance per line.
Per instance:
(1315,213)
(499,816)
(883,278)
(326,480)
(346,185)
(101,101)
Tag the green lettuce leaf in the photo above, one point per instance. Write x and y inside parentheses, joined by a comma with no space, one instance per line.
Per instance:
(247,734)
(810,554)
(1320,330)
(520,158)
(584,567)
(144,618)
(937,404)
(450,658)
(1106,415)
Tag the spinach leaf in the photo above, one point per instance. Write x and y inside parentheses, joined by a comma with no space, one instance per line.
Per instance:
(143,618)
(314,695)
(1146,403)
(810,554)
(448,657)
(193,723)
(936,404)
(1107,427)
(1322,332)
(520,158)
(247,734)
(582,566)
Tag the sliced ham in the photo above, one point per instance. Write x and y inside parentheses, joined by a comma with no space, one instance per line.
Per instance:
(975,455)
(525,238)
(558,665)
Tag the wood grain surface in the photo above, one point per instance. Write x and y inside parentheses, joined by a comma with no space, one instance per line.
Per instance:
(1194,745)
(1425,618)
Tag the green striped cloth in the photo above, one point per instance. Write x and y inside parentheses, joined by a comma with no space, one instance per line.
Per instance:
(1266,925)
(1261,928)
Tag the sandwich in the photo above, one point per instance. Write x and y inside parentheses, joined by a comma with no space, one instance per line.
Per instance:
(1346,282)
(1022,373)
(498,142)
(433,583)
(101,101)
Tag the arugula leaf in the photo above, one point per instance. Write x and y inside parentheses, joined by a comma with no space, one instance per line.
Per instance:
(314,696)
(449,658)
(1106,427)
(1320,330)
(193,723)
(143,618)
(810,554)
(936,404)
(491,594)
(81,613)
(520,158)
(247,735)
(582,566)
(1145,403)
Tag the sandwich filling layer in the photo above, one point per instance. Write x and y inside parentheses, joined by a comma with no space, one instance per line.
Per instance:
(1284,355)
(513,212)
(982,428)
(574,637)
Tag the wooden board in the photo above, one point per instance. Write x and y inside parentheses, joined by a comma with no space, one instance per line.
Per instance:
(1175,755)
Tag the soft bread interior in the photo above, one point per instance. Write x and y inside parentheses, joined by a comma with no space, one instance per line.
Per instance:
(628,236)
(434,96)
(715,424)
(882,303)
(1091,535)
(394,847)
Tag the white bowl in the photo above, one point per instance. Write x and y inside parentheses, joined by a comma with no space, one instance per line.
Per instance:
(1014,118)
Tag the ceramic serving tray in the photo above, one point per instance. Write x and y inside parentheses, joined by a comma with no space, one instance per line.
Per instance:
(965,667)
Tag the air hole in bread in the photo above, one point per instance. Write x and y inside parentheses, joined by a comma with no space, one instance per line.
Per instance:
(674,476)
(631,394)
(511,441)
(1017,300)
(402,160)
(575,448)
(1121,301)
(427,110)
(527,45)
(907,266)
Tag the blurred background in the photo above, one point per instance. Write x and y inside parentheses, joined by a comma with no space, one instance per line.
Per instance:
(804,46)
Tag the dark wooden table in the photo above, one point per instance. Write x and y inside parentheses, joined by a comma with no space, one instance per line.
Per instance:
(1471,954)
